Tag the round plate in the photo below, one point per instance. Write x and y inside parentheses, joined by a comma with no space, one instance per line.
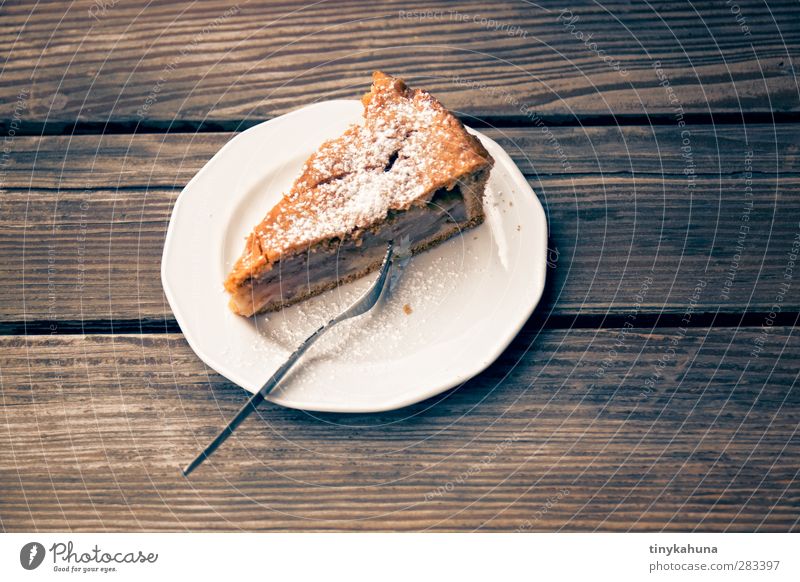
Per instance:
(450,311)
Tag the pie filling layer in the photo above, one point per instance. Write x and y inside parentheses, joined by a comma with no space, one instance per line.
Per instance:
(331,263)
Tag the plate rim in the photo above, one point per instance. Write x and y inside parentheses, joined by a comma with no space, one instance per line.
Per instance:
(341,407)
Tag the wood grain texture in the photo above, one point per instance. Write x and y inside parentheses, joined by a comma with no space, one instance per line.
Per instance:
(223,62)
(170,160)
(97,426)
(89,247)
(582,424)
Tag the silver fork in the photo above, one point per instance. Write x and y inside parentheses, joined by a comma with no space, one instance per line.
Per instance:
(366,302)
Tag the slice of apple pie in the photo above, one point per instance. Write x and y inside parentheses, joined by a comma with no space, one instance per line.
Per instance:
(410,172)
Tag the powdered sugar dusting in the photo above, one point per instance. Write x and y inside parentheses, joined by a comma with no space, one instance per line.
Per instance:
(425,286)
(407,146)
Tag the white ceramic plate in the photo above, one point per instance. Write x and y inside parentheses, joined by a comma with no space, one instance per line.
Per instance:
(467,298)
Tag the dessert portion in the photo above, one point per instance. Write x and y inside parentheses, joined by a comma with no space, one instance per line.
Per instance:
(409,173)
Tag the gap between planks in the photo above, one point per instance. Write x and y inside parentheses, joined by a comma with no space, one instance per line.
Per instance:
(154,126)
(544,321)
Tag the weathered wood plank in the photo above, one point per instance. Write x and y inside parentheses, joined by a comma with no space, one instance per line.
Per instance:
(97,427)
(95,254)
(171,159)
(225,62)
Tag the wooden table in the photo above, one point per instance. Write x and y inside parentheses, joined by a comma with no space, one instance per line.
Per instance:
(654,388)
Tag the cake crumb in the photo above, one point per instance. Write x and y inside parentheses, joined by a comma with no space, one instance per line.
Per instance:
(519,227)
(407,309)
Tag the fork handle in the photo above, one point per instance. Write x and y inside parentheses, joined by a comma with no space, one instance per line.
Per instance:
(256,399)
